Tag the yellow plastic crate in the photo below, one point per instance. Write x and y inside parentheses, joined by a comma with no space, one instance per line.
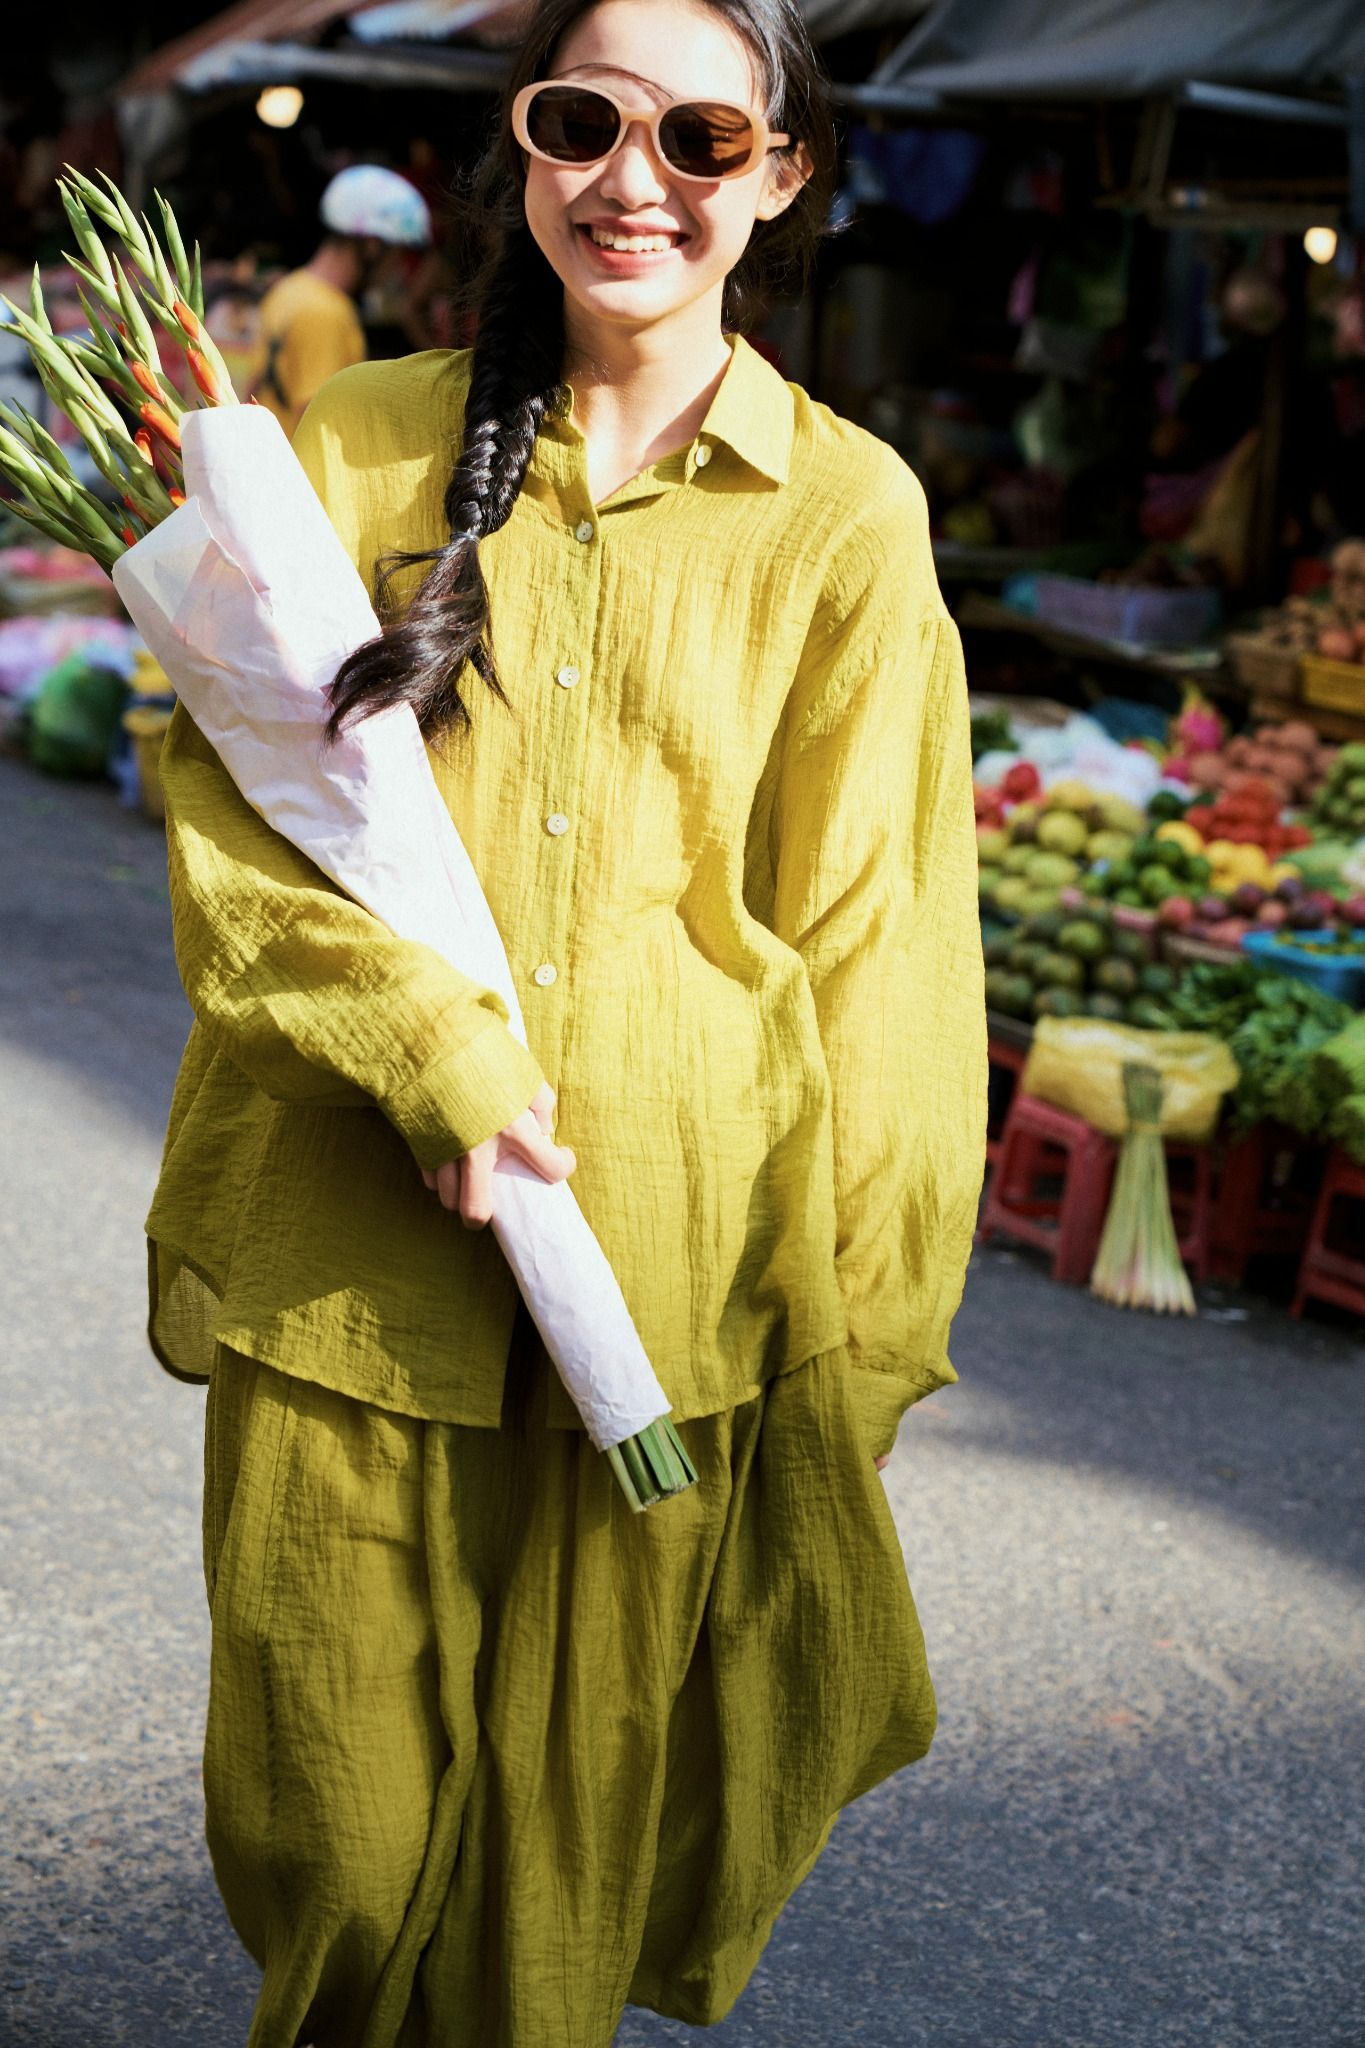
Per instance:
(1333,685)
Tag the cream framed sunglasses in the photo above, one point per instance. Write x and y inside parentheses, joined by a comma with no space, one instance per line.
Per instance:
(701,140)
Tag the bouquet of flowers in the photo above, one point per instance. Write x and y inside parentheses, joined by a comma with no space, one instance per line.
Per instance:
(228,567)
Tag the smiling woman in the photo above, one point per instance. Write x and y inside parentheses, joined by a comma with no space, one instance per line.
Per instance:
(488,1757)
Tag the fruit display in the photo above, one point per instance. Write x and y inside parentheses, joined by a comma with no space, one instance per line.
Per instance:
(1278,899)
(1077,963)
(1154,868)
(1246,812)
(1048,844)
(1339,807)
(1288,758)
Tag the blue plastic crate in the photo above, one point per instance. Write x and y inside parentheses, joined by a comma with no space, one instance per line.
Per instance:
(1343,977)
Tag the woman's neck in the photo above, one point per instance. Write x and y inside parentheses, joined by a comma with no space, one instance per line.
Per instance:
(641,393)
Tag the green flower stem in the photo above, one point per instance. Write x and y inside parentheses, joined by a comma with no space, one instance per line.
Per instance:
(652,1466)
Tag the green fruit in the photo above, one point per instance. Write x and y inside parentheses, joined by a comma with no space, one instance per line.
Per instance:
(1117,977)
(1058,1002)
(991,847)
(1127,945)
(1148,1014)
(1062,832)
(1155,980)
(1047,924)
(1093,883)
(1171,855)
(1016,995)
(987,882)
(1016,858)
(1198,872)
(1081,938)
(1060,970)
(1010,893)
(998,985)
(1155,883)
(1106,1006)
(1024,955)
(1038,902)
(1108,846)
(996,951)
(1051,870)
(1122,875)
(1131,899)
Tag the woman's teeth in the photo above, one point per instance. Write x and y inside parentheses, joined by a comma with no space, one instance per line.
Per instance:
(633,245)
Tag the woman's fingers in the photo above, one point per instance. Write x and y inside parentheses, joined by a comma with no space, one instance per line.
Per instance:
(476,1185)
(465,1185)
(524,1137)
(882,1462)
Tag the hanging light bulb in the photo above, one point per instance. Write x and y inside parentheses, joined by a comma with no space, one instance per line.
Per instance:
(279,106)
(1321,244)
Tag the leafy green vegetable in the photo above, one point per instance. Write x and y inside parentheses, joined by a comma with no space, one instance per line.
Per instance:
(991,734)
(1273,1027)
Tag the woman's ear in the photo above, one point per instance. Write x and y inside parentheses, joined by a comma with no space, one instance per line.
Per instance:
(786,175)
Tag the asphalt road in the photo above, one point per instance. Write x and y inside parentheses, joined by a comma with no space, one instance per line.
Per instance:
(1137,1548)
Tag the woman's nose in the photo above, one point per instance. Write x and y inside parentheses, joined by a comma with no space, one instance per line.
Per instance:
(634,177)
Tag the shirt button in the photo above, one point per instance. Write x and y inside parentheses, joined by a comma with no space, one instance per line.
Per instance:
(703,456)
(585,530)
(545,974)
(567,677)
(556,823)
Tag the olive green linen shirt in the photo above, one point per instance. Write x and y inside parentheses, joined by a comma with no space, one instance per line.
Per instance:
(726,828)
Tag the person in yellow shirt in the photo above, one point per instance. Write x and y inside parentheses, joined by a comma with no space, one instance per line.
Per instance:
(488,1757)
(308,324)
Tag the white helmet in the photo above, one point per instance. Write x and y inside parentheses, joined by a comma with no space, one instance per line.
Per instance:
(367,200)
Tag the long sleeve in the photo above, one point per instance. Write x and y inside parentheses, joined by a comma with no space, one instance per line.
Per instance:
(308,993)
(873,848)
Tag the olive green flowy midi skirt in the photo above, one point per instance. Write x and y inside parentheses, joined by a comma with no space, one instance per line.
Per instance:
(489,1757)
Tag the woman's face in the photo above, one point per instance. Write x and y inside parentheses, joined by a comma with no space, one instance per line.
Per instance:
(647,52)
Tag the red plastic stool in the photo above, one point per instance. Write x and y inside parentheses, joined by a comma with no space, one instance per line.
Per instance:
(1325,1272)
(1265,1193)
(1040,1143)
(1009,1059)
(1192,1207)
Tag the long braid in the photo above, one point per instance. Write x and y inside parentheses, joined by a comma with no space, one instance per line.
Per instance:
(514,380)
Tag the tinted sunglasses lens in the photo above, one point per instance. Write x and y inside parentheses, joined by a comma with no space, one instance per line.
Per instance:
(707,139)
(571,125)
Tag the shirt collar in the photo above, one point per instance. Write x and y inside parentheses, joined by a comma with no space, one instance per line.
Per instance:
(751,414)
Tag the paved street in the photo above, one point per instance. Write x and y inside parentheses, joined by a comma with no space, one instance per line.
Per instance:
(1138,1550)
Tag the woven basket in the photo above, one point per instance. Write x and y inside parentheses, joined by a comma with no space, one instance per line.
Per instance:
(1262,667)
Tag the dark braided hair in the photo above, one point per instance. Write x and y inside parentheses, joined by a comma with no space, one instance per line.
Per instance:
(421,654)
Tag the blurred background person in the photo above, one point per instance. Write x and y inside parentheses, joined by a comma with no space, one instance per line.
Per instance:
(309,325)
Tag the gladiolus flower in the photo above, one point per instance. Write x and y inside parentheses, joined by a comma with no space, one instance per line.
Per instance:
(186,318)
(144,444)
(145,380)
(202,374)
(177,497)
(161,424)
(129,536)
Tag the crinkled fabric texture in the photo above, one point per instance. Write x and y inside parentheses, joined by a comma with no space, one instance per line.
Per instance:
(726,829)
(488,1756)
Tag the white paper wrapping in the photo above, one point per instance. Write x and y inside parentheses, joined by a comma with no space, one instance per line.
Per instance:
(250,603)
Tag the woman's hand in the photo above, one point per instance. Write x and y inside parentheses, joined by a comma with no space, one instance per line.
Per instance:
(882,1462)
(465,1185)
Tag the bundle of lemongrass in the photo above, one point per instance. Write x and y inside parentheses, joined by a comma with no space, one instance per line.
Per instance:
(1138,1264)
(254,669)
(111,384)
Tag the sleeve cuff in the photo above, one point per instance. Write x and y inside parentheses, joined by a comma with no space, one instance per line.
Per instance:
(465,1096)
(882,1398)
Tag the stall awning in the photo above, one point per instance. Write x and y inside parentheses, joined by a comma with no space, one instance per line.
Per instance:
(1123,49)
(219,50)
